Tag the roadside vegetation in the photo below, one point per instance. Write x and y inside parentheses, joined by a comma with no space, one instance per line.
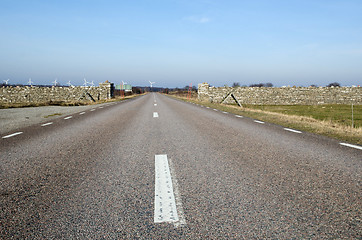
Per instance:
(65,103)
(329,120)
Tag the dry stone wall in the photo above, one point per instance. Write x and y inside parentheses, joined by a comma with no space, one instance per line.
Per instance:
(15,95)
(282,96)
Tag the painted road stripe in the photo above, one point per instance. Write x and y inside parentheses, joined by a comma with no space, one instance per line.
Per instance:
(351,145)
(46,124)
(81,113)
(292,130)
(155,104)
(165,204)
(12,135)
(215,109)
(100,107)
(238,116)
(155,114)
(225,112)
(207,107)
(68,117)
(258,121)
(92,110)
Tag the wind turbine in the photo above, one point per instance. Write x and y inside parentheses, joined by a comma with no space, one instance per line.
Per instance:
(6,81)
(55,82)
(30,82)
(92,83)
(85,82)
(152,83)
(70,85)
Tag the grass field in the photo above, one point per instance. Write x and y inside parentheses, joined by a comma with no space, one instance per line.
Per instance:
(337,113)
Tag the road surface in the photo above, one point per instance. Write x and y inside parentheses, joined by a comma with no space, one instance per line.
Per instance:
(158,168)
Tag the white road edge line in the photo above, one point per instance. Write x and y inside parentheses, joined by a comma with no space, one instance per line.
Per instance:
(155,114)
(46,124)
(81,113)
(238,116)
(257,121)
(68,117)
(292,130)
(215,109)
(225,112)
(351,145)
(12,135)
(165,203)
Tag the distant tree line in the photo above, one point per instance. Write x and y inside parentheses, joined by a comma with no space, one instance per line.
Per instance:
(236,84)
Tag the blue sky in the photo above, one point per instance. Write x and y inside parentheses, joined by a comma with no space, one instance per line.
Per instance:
(178,42)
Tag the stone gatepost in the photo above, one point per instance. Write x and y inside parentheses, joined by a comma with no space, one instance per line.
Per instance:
(203,92)
(109,88)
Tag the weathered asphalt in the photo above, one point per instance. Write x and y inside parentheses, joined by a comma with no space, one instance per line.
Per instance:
(92,177)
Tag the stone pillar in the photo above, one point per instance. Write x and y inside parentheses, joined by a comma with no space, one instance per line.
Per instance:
(203,91)
(109,89)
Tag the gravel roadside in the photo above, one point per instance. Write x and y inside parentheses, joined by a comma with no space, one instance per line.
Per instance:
(15,118)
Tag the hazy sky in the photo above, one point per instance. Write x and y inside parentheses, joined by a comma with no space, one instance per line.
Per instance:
(177,42)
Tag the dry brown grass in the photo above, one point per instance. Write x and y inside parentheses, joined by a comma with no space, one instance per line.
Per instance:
(63,103)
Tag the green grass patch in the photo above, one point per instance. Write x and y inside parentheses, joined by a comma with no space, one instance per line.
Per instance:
(337,113)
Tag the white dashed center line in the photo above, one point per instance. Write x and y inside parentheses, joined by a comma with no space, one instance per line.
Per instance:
(155,104)
(46,124)
(292,130)
(68,117)
(81,113)
(225,112)
(165,204)
(12,135)
(155,114)
(259,122)
(215,109)
(351,145)
(238,116)
(100,107)
(92,110)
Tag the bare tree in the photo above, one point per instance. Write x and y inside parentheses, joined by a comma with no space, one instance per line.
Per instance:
(236,84)
(334,84)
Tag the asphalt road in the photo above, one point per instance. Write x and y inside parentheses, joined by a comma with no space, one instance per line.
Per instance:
(92,176)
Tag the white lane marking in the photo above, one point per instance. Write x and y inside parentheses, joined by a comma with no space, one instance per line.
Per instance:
(207,107)
(81,113)
(225,112)
(68,117)
(165,204)
(12,135)
(238,116)
(259,122)
(46,124)
(351,145)
(155,104)
(155,114)
(292,130)
(92,110)
(100,107)
(215,109)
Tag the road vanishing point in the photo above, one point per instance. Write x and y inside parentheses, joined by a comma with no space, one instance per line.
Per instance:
(155,167)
